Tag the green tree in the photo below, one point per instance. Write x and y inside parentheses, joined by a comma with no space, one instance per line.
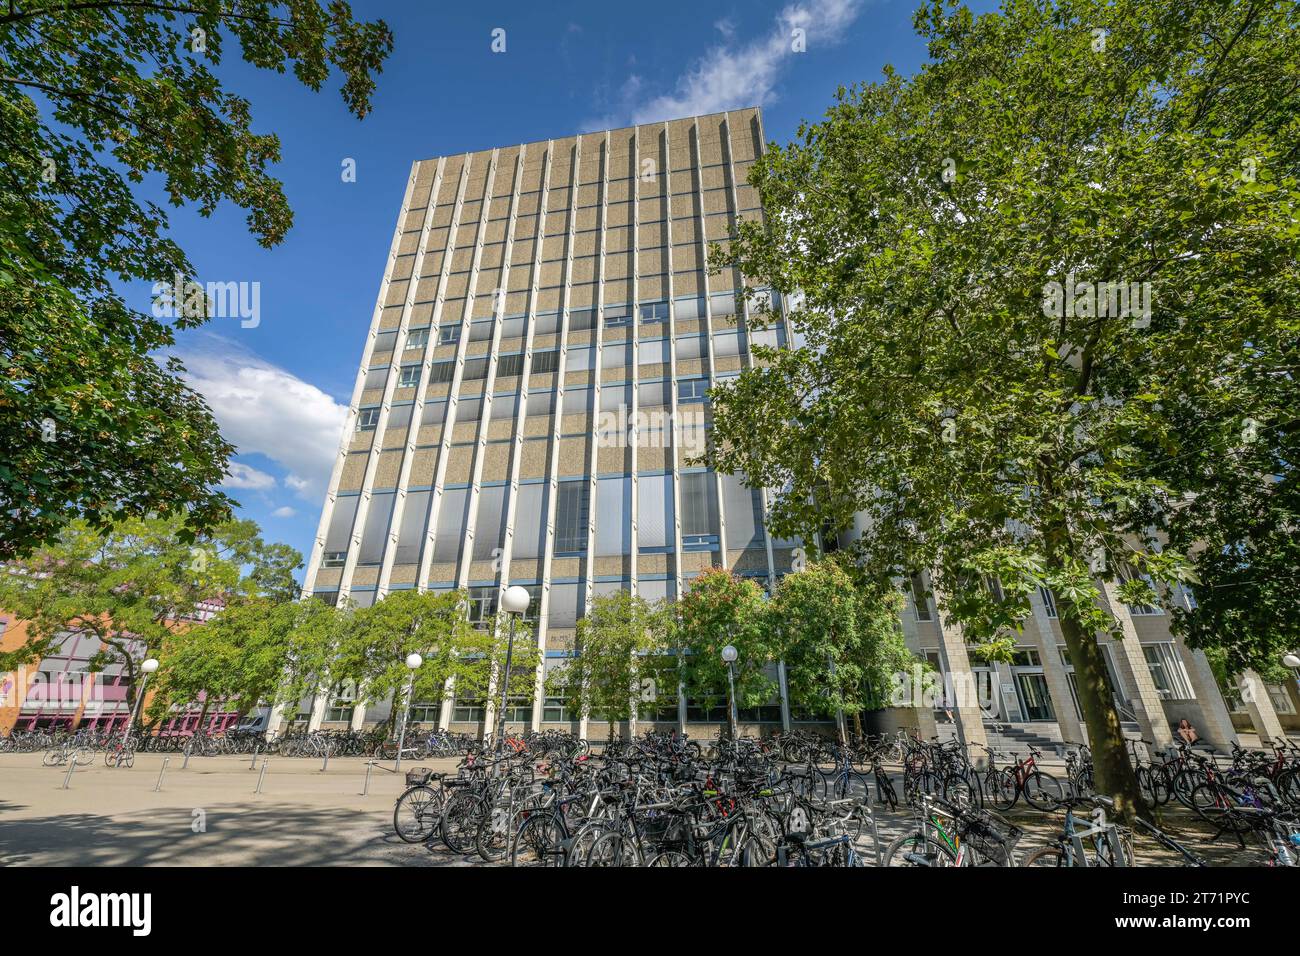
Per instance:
(255,651)
(839,637)
(940,381)
(721,608)
(137,588)
(622,655)
(94,98)
(432,624)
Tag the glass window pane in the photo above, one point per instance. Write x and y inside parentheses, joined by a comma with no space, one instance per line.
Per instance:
(376,533)
(451,524)
(613,516)
(410,534)
(530,521)
(654,511)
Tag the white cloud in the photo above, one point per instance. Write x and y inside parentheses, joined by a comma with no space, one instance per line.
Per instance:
(267,410)
(285,512)
(247,477)
(736,74)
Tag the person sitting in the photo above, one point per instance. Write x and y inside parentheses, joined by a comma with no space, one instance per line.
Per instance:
(1187,732)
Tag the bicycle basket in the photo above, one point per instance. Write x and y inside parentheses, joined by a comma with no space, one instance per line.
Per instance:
(419,777)
(991,836)
(664,829)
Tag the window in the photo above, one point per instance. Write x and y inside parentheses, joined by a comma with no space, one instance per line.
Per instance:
(343,697)
(375,536)
(425,711)
(409,377)
(920,602)
(692,390)
(509,365)
(699,507)
(1026,657)
(410,533)
(743,508)
(654,312)
(367,419)
(1049,600)
(442,372)
(613,516)
(556,710)
(654,507)
(467,711)
(449,335)
(530,521)
(475,369)
(546,361)
(1280,698)
(1167,671)
(1141,610)
(617,321)
(334,559)
(417,339)
(482,605)
(571,517)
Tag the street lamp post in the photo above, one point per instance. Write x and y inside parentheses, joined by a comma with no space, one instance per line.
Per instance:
(729,655)
(148,667)
(1291,660)
(413,661)
(514,602)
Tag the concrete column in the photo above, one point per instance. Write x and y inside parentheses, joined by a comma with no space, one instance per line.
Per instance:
(317,710)
(1148,709)
(274,719)
(955,661)
(1218,729)
(784,684)
(1058,682)
(358,716)
(448,700)
(1260,707)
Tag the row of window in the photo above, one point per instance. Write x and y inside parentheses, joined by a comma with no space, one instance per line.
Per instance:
(540,404)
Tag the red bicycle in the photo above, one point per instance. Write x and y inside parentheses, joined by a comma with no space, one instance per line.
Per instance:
(1003,786)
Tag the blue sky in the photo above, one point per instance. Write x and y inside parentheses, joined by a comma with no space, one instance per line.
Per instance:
(280,390)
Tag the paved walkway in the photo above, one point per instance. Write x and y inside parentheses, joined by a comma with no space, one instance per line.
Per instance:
(207,815)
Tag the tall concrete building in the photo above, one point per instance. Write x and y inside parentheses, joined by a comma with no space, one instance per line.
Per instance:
(530,404)
(532,396)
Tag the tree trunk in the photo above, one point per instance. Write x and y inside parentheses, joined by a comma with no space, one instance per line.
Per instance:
(1113,770)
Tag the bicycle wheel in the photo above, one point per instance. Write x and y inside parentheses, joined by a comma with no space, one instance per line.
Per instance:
(961,789)
(52,758)
(670,858)
(612,850)
(1001,789)
(493,837)
(460,820)
(885,792)
(417,814)
(584,839)
(1043,791)
(1046,856)
(913,849)
(853,786)
(1147,787)
(539,842)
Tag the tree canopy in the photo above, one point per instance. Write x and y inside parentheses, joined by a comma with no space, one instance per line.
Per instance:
(1014,279)
(94,99)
